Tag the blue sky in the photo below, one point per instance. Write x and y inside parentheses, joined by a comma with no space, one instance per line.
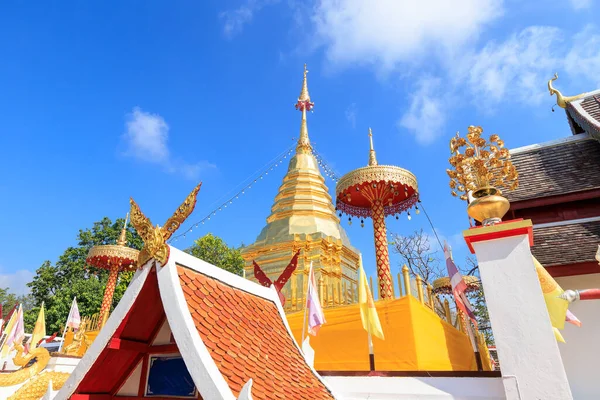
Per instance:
(104,101)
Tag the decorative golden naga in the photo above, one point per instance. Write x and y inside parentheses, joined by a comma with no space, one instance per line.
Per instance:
(37,386)
(41,356)
(482,170)
(561,100)
(155,238)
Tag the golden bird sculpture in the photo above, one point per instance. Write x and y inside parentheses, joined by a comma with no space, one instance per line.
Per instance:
(155,237)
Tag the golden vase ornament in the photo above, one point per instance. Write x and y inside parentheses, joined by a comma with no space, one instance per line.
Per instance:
(480,168)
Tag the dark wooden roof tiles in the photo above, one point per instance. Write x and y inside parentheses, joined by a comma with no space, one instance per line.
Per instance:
(563,168)
(566,244)
(247,338)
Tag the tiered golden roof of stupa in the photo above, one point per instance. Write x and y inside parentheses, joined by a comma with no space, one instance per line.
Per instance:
(303,216)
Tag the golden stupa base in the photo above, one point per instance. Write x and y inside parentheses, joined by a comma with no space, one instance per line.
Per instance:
(488,207)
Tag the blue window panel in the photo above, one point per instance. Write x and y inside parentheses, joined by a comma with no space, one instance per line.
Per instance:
(168,376)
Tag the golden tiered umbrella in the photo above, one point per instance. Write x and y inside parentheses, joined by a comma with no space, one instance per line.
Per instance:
(377,191)
(114,258)
(443,285)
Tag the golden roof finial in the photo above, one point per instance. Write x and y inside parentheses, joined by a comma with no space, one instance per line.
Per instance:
(304,104)
(304,96)
(155,238)
(122,241)
(561,100)
(372,158)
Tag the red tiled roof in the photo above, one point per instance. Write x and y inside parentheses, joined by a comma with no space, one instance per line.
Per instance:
(247,338)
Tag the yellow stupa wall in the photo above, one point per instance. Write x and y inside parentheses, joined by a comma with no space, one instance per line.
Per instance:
(416,339)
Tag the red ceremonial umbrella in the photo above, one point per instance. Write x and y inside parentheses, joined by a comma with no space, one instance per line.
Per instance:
(377,191)
(114,258)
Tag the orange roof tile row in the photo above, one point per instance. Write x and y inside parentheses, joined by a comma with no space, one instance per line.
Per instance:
(247,339)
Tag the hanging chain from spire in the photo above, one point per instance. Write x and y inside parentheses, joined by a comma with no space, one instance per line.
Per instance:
(273,163)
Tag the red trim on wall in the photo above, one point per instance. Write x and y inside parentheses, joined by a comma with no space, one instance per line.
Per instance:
(558,199)
(109,397)
(127,345)
(525,230)
(163,349)
(143,376)
(589,267)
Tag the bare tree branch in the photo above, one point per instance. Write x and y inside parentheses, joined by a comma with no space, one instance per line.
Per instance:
(417,253)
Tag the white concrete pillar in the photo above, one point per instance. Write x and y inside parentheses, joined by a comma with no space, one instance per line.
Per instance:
(527,349)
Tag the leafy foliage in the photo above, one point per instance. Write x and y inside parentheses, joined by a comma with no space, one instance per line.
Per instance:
(214,250)
(70,276)
(8,301)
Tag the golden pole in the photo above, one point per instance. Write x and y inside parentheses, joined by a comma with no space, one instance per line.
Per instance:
(109,292)
(399,284)
(430,295)
(386,283)
(420,289)
(406,278)
(447,310)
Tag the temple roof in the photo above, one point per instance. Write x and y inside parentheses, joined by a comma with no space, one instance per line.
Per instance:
(228,333)
(566,243)
(584,114)
(559,167)
(247,338)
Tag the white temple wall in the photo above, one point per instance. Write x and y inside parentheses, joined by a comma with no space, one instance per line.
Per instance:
(581,351)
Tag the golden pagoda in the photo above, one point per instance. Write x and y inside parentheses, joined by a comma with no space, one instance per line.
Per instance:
(303,218)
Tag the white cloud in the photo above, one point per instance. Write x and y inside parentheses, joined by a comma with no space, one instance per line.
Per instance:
(388,32)
(17,281)
(583,58)
(351,114)
(581,4)
(515,68)
(146,137)
(234,20)
(426,115)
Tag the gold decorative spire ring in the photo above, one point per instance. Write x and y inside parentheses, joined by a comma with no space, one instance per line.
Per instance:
(304,104)
(372,157)
(561,100)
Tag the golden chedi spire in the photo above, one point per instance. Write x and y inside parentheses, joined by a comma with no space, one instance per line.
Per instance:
(561,100)
(303,216)
(304,104)
(372,157)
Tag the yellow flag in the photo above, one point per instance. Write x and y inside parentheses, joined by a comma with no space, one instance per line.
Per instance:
(368,312)
(557,307)
(39,331)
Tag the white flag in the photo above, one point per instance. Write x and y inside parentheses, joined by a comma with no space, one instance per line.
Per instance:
(18,332)
(309,353)
(74,318)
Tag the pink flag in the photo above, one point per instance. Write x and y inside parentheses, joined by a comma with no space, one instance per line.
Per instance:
(459,286)
(571,318)
(18,332)
(74,318)
(316,318)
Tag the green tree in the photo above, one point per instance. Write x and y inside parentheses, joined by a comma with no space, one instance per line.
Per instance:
(9,300)
(56,284)
(214,250)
